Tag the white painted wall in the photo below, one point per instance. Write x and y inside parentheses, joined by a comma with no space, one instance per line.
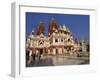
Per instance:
(54,51)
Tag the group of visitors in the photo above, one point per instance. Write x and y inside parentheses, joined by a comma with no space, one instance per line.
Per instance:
(31,56)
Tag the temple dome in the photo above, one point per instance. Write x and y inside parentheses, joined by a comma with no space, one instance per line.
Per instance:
(65,28)
(31,36)
(60,27)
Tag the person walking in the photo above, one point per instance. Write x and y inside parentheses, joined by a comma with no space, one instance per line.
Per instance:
(33,56)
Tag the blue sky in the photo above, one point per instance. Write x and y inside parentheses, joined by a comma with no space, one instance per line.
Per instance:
(78,24)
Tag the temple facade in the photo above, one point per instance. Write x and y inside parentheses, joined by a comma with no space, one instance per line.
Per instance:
(59,40)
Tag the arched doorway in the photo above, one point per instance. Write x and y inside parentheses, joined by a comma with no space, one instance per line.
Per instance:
(41,51)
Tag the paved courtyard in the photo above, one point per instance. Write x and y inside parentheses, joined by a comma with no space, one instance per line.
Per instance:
(70,60)
(59,60)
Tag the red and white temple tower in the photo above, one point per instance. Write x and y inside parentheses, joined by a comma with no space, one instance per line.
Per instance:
(58,41)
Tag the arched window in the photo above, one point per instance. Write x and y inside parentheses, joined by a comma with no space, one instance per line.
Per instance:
(56,40)
(68,40)
(61,40)
(56,51)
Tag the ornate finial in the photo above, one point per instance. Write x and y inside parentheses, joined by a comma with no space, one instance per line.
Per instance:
(60,27)
(64,27)
(52,18)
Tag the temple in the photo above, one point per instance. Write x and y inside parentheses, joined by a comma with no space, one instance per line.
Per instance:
(59,40)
